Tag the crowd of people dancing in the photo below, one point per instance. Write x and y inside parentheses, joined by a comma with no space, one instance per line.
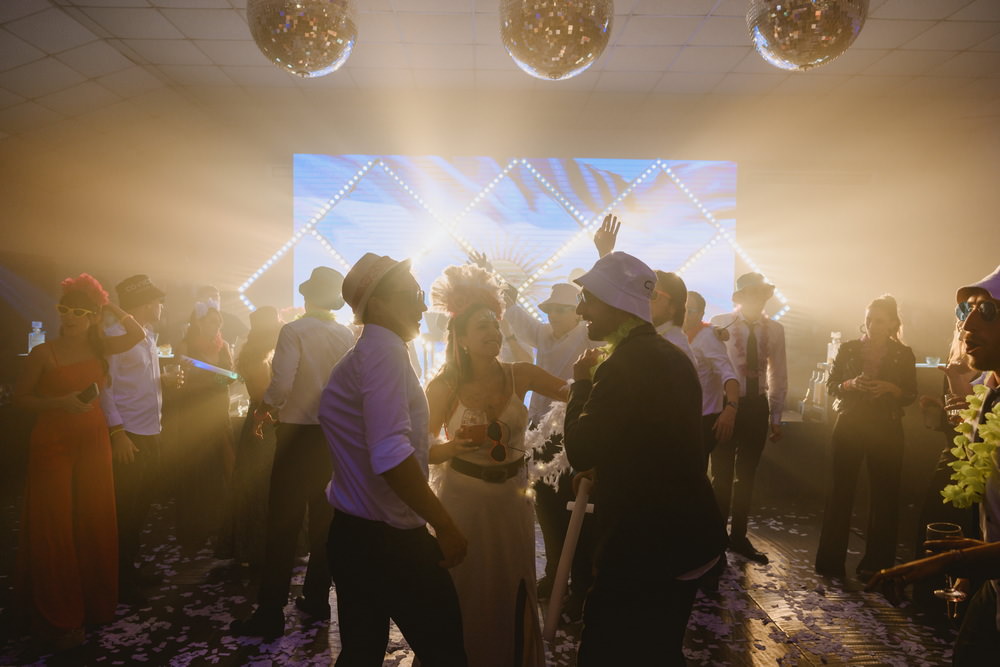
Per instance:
(418,503)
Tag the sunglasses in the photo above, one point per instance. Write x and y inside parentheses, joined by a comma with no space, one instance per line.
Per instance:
(416,296)
(77,312)
(988,310)
(499,434)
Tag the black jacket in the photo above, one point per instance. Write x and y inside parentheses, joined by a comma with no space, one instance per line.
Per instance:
(898,367)
(639,425)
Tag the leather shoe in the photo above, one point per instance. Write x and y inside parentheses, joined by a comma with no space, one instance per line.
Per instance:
(268,626)
(317,611)
(743,547)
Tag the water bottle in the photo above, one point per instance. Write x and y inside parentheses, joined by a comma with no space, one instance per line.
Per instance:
(37,335)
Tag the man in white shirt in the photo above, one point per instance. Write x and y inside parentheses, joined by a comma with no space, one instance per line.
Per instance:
(306,352)
(384,562)
(668,308)
(756,347)
(720,386)
(133,404)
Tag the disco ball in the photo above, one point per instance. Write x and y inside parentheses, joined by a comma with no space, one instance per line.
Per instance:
(555,39)
(801,34)
(308,38)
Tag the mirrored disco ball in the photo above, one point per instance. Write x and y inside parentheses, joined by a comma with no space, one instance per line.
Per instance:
(309,38)
(802,34)
(555,39)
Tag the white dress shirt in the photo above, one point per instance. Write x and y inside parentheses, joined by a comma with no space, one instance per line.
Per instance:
(714,369)
(772,366)
(134,398)
(306,352)
(555,355)
(676,335)
(374,415)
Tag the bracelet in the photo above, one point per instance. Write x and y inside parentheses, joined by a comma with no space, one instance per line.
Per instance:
(115,429)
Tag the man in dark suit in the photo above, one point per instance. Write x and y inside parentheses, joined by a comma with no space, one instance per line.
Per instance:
(635,422)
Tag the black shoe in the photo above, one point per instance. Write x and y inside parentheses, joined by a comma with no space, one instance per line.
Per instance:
(318,612)
(743,547)
(544,587)
(269,626)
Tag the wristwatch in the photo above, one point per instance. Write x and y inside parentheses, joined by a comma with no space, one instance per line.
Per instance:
(726,403)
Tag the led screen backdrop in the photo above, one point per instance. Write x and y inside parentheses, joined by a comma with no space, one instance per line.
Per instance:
(533,217)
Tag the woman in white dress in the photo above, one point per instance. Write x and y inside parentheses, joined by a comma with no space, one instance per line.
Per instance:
(482,476)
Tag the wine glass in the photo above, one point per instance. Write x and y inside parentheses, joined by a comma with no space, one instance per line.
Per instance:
(474,425)
(944,531)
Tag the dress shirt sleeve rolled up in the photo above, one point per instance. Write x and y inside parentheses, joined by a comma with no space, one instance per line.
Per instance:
(777,371)
(527,329)
(284,365)
(386,407)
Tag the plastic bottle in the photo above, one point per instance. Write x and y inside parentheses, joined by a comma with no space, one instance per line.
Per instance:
(37,335)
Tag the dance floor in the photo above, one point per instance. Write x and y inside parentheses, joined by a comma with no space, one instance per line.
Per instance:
(778,614)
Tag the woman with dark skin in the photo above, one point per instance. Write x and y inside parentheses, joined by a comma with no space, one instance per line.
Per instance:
(68,555)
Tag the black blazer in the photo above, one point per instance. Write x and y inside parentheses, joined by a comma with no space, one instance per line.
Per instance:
(898,367)
(639,425)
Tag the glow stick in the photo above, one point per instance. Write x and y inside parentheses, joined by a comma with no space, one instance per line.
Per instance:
(233,375)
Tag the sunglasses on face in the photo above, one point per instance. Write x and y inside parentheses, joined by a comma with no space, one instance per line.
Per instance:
(414,296)
(987,309)
(76,312)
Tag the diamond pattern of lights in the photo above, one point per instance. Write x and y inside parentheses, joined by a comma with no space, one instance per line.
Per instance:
(453,226)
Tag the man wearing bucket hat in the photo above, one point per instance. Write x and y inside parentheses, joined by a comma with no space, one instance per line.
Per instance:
(306,352)
(978,641)
(636,421)
(133,404)
(756,347)
(384,562)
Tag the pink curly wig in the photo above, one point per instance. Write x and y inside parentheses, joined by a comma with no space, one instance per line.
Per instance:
(88,287)
(465,286)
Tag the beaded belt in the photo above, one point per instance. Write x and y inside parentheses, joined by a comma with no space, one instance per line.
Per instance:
(492,474)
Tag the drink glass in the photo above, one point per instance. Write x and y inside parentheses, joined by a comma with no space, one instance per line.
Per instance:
(950,594)
(474,426)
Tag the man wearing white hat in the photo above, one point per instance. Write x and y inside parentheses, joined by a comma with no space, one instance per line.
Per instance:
(756,346)
(978,641)
(384,562)
(306,352)
(636,421)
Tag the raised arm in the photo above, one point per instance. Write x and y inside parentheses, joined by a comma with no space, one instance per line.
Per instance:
(529,377)
(133,332)
(607,235)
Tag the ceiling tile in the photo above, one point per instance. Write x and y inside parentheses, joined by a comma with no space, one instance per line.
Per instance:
(752,63)
(267,77)
(737,83)
(928,86)
(673,8)
(639,58)
(129,23)
(340,79)
(168,51)
(989,45)
(969,63)
(657,31)
(21,117)
(708,58)
(436,28)
(377,27)
(131,81)
(852,62)
(627,82)
(886,34)
(487,28)
(582,82)
(378,55)
(8,99)
(196,75)
(918,9)
(235,52)
(722,31)
(15,51)
(110,3)
(74,101)
(436,78)
(955,35)
(15,9)
(191,4)
(383,78)
(440,56)
(433,5)
(687,83)
(39,78)
(209,23)
(730,8)
(872,85)
(903,63)
(52,31)
(986,87)
(803,83)
(978,10)
(95,59)
(503,79)
(493,58)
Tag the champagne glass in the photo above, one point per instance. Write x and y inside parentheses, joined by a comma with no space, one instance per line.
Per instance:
(944,531)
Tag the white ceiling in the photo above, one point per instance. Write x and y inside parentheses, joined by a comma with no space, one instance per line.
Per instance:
(64,59)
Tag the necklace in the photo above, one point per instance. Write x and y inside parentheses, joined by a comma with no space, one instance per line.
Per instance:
(487,393)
